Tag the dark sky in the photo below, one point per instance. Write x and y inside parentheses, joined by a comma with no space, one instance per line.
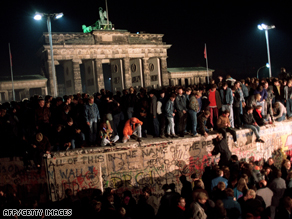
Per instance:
(234,44)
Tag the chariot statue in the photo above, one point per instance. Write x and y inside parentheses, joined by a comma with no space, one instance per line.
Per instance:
(100,24)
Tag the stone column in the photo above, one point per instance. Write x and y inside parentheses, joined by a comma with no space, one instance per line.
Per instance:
(44,91)
(98,71)
(182,81)
(189,81)
(146,73)
(6,97)
(26,93)
(50,79)
(127,73)
(164,74)
(77,76)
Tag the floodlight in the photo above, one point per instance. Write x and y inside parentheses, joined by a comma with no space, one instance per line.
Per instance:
(59,15)
(38,16)
(268,65)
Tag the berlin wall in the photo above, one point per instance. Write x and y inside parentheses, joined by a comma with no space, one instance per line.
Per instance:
(132,166)
(153,162)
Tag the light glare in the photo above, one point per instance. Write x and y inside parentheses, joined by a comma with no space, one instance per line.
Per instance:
(37,17)
(59,15)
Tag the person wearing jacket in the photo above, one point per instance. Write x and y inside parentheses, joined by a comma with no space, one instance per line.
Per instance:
(288,98)
(193,110)
(202,120)
(132,127)
(153,113)
(181,108)
(264,95)
(279,111)
(223,125)
(92,117)
(227,101)
(169,109)
(249,122)
(258,116)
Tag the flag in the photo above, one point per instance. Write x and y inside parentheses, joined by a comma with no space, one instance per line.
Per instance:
(205,52)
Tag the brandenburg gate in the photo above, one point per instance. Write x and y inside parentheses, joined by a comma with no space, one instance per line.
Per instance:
(137,60)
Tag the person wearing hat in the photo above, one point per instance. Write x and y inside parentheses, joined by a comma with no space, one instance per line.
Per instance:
(41,146)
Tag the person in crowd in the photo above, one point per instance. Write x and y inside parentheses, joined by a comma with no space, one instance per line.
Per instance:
(278,91)
(41,146)
(221,146)
(241,186)
(229,202)
(215,105)
(279,111)
(150,199)
(288,98)
(161,113)
(193,109)
(72,136)
(265,192)
(180,104)
(227,101)
(284,210)
(153,113)
(132,129)
(202,123)
(249,122)
(169,109)
(258,116)
(105,134)
(92,117)
(285,168)
(197,207)
(223,125)
(131,102)
(42,117)
(264,95)
(180,212)
(278,186)
(218,179)
(238,90)
(186,191)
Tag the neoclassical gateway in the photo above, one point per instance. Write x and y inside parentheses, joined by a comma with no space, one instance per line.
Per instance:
(137,60)
(111,59)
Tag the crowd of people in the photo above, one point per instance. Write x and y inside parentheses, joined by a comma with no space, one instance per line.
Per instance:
(239,189)
(233,189)
(39,125)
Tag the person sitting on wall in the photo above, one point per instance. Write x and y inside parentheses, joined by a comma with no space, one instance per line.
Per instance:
(105,133)
(132,129)
(258,116)
(249,122)
(223,124)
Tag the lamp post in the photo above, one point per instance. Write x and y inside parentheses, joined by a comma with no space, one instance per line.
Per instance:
(267,66)
(266,28)
(38,16)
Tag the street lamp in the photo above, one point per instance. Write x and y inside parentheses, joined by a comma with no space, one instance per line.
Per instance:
(38,16)
(266,28)
(265,66)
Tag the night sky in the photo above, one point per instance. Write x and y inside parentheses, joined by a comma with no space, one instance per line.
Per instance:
(234,44)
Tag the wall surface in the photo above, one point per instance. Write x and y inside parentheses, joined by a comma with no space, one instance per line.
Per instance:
(154,162)
(131,166)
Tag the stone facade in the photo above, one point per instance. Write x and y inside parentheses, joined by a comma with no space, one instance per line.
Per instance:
(24,87)
(188,75)
(137,60)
